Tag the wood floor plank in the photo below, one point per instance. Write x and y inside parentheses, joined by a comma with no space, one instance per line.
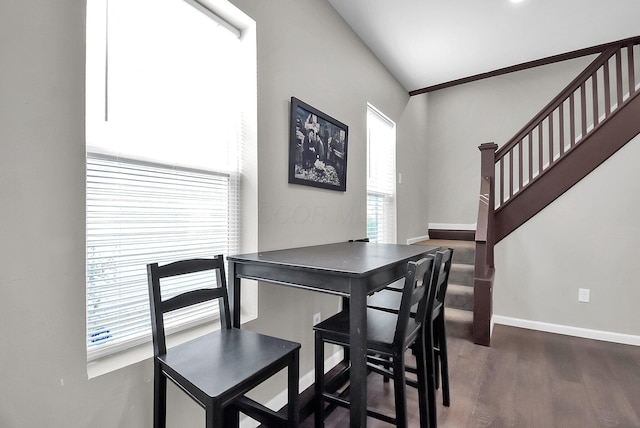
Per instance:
(612,409)
(624,362)
(527,379)
(532,388)
(493,407)
(570,405)
(559,352)
(469,361)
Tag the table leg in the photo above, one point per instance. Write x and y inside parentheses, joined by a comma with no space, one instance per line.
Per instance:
(233,290)
(358,353)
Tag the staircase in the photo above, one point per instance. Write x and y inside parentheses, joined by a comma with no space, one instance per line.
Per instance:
(592,118)
(459,300)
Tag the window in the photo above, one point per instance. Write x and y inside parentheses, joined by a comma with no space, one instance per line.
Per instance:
(165,129)
(381,171)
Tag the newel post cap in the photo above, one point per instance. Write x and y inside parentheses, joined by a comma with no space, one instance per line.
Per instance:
(488,146)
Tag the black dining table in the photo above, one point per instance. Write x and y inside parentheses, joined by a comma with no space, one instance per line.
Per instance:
(352,270)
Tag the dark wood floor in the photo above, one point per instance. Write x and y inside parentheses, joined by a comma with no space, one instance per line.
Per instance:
(527,379)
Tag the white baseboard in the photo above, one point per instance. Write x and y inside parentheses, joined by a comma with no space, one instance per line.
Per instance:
(606,336)
(417,239)
(452,226)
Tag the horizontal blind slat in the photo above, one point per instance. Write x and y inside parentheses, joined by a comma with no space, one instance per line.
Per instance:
(135,217)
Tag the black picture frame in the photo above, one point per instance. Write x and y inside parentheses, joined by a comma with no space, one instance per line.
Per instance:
(323,162)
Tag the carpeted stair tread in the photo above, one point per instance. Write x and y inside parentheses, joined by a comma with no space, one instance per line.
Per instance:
(461,274)
(459,323)
(459,297)
(463,251)
(459,300)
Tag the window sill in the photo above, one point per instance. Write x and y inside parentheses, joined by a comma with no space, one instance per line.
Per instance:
(119,360)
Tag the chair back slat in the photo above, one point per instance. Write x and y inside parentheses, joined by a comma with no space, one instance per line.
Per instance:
(416,290)
(192,297)
(160,307)
(443,264)
(183,267)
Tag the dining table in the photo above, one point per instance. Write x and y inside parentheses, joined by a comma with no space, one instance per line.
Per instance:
(352,270)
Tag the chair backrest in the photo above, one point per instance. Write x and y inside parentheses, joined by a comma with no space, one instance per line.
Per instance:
(359,240)
(417,289)
(443,266)
(159,307)
(435,300)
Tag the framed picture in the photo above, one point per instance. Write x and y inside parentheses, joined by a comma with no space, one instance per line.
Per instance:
(317,148)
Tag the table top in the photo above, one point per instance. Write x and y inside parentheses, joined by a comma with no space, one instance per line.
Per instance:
(349,258)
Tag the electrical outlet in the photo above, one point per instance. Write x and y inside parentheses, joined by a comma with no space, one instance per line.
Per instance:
(317,318)
(583,295)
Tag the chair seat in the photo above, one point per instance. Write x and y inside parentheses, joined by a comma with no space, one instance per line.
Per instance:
(211,362)
(380,329)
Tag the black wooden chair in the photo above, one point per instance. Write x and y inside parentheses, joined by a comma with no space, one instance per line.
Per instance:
(216,369)
(389,300)
(388,335)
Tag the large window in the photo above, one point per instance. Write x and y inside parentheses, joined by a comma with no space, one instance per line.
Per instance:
(165,128)
(381,171)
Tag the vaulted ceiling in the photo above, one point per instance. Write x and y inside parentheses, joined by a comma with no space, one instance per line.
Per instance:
(424,43)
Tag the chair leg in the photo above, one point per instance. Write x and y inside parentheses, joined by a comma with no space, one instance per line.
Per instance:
(385,378)
(319,382)
(231,417)
(430,375)
(159,397)
(436,359)
(293,412)
(400,390)
(444,359)
(419,352)
(218,417)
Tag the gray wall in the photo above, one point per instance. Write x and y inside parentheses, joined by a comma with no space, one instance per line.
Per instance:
(305,50)
(586,239)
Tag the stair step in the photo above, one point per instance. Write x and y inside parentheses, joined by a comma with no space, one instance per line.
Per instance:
(459,323)
(459,297)
(461,274)
(459,300)
(463,251)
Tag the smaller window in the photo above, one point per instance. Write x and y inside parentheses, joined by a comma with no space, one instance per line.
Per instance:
(381,171)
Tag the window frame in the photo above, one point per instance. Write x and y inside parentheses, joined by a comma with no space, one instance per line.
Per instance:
(381,190)
(234,19)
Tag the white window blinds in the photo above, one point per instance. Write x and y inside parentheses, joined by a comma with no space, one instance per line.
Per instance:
(381,171)
(138,213)
(164,143)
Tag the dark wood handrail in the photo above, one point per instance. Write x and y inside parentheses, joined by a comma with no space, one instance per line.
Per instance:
(561,97)
(581,107)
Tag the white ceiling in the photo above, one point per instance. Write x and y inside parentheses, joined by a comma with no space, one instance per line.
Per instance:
(428,42)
